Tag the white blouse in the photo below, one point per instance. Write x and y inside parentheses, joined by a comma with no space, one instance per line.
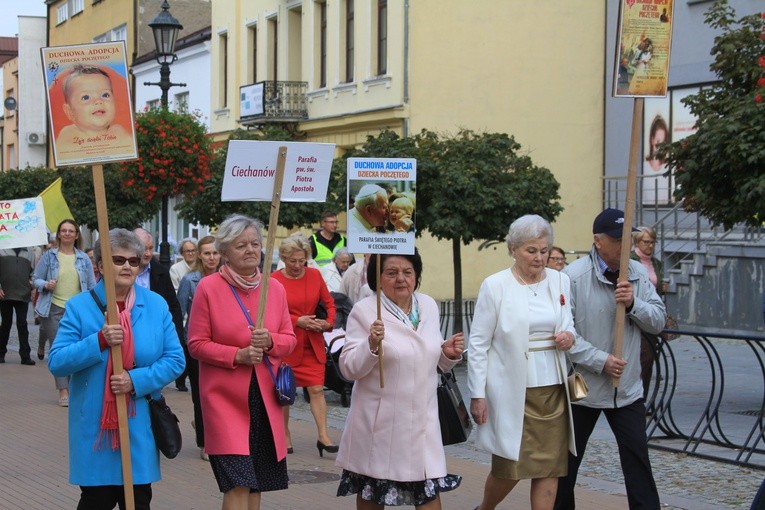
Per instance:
(542,358)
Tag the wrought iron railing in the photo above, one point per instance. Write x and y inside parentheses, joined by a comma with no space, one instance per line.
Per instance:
(283,101)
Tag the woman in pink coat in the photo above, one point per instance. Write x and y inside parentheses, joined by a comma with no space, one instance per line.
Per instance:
(244,429)
(391,451)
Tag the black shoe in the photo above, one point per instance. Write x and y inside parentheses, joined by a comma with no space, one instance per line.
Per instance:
(2,359)
(41,353)
(290,450)
(181,387)
(28,361)
(330,448)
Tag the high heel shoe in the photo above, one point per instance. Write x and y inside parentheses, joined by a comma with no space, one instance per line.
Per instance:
(330,448)
(290,450)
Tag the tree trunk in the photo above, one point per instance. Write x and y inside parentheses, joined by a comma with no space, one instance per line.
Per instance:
(457,261)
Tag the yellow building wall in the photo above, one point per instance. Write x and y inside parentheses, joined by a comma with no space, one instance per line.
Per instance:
(94,20)
(533,70)
(530,69)
(10,139)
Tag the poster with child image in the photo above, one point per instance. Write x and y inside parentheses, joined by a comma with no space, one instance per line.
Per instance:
(89,107)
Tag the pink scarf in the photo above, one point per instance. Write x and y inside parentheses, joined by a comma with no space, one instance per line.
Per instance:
(648,264)
(109,422)
(244,283)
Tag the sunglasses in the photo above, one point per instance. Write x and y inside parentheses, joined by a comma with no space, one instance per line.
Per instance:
(120,261)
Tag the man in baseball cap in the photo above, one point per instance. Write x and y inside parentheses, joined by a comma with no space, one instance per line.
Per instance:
(594,295)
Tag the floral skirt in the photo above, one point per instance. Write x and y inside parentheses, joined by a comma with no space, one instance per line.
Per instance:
(393,493)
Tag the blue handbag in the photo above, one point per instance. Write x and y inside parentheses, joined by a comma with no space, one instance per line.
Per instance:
(284,380)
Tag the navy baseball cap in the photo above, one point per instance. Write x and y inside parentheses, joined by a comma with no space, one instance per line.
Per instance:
(611,223)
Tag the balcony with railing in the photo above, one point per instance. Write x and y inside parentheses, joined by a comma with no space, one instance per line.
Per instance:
(273,102)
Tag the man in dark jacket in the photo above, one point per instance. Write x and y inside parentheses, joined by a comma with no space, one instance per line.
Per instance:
(155,277)
(16,266)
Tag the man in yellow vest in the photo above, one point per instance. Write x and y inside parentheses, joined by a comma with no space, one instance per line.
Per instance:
(326,241)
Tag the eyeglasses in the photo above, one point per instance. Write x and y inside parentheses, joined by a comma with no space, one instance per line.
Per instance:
(558,259)
(120,261)
(189,251)
(647,241)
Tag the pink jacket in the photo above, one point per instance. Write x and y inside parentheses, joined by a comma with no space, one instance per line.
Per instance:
(393,433)
(217,329)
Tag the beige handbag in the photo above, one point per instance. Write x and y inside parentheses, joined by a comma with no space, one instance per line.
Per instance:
(577,387)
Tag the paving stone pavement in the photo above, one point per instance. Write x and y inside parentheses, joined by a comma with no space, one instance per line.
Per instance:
(33,473)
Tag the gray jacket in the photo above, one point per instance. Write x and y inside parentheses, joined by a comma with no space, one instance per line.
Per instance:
(594,309)
(15,274)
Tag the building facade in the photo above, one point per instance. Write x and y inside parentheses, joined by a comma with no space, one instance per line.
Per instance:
(524,68)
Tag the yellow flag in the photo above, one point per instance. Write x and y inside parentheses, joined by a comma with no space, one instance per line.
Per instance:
(56,209)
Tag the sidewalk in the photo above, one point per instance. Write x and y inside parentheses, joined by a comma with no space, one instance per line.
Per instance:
(34,466)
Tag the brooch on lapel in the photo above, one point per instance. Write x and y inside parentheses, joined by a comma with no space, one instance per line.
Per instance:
(562,300)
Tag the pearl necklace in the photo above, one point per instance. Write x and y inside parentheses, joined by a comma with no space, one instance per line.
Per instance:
(534,290)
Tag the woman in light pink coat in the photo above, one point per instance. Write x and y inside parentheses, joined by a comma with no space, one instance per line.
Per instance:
(244,428)
(391,451)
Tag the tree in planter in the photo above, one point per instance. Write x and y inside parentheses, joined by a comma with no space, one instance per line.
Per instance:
(720,169)
(470,186)
(206,206)
(174,155)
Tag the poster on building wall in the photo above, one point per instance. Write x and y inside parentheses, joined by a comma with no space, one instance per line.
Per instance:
(251,171)
(683,121)
(655,186)
(643,47)
(382,205)
(22,223)
(89,107)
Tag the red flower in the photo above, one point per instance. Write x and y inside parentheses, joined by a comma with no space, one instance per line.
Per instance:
(761,61)
(758,98)
(761,82)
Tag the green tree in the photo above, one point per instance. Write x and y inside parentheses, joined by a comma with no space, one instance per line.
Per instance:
(126,208)
(470,186)
(206,206)
(720,169)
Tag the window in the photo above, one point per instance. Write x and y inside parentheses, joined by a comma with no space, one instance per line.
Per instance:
(254,60)
(382,37)
(77,6)
(62,13)
(116,34)
(349,39)
(153,104)
(323,44)
(273,49)
(182,102)
(223,66)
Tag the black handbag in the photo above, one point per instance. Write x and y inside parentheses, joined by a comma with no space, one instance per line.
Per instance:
(164,425)
(452,413)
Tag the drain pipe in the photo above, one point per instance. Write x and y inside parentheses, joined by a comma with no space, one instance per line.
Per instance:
(405,128)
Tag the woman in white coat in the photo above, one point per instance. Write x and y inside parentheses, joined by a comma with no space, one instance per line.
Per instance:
(391,451)
(516,369)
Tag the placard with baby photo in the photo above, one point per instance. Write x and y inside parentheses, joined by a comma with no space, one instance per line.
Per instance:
(89,105)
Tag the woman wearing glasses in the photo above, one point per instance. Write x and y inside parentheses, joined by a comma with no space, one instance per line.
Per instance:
(152,357)
(391,451)
(557,258)
(644,243)
(63,271)
(185,266)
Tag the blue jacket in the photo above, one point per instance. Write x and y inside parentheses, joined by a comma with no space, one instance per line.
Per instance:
(47,269)
(158,361)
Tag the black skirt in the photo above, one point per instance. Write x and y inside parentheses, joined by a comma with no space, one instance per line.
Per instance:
(260,471)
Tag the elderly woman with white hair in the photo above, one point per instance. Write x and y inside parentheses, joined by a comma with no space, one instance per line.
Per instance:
(333,272)
(517,369)
(244,428)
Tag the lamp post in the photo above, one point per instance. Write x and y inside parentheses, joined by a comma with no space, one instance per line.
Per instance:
(165,28)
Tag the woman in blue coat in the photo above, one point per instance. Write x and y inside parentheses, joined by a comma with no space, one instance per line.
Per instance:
(152,357)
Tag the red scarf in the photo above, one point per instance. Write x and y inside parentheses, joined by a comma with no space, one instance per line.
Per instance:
(109,424)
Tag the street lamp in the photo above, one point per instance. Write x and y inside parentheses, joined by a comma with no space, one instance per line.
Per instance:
(165,28)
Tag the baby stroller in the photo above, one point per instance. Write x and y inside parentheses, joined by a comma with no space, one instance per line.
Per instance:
(333,378)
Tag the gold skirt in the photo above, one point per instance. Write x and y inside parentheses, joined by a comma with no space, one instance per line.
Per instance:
(544,443)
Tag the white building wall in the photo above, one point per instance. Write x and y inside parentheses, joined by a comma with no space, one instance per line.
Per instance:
(32,106)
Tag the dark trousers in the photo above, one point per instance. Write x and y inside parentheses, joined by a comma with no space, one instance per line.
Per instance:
(106,497)
(628,425)
(649,345)
(181,380)
(7,306)
(199,426)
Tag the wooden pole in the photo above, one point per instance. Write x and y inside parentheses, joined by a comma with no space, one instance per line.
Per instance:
(379,317)
(629,215)
(113,318)
(273,223)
